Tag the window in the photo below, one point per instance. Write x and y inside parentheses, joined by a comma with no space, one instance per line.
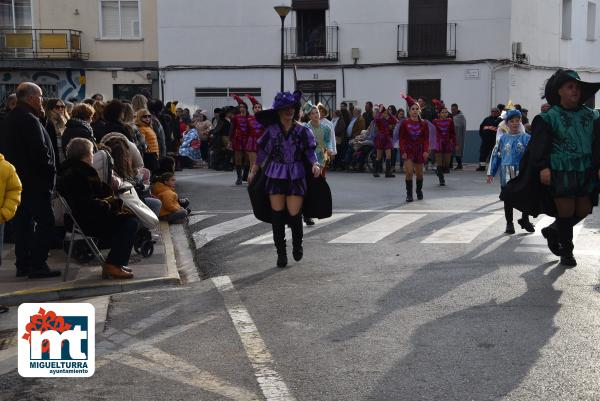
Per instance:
(567,8)
(120,19)
(427,88)
(15,14)
(591,21)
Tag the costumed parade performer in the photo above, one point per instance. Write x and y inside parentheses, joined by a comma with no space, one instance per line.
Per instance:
(240,135)
(284,150)
(385,123)
(322,135)
(560,171)
(506,156)
(414,148)
(445,143)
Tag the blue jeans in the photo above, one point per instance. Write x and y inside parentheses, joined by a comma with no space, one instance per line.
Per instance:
(34,226)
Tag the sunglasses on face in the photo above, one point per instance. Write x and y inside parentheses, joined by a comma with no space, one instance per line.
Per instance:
(147,116)
(59,106)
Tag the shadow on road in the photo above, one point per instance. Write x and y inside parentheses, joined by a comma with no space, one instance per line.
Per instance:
(480,353)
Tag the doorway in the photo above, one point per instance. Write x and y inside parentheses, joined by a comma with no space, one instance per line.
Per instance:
(319,92)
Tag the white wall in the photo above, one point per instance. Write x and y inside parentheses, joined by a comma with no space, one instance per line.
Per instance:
(102,81)
(239,32)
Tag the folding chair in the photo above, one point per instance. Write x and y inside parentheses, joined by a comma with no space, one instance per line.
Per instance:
(78,231)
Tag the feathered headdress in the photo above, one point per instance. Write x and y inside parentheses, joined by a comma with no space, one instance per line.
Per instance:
(439,105)
(253,100)
(409,100)
(239,100)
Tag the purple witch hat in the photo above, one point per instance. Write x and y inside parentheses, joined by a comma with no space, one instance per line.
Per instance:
(282,100)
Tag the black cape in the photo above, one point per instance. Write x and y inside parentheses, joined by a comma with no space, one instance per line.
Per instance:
(317,200)
(525,192)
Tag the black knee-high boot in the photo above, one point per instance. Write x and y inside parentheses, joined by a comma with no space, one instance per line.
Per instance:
(508,214)
(409,192)
(238,171)
(525,223)
(278,224)
(388,169)
(459,165)
(551,234)
(565,238)
(377,167)
(419,189)
(245,173)
(440,174)
(297,235)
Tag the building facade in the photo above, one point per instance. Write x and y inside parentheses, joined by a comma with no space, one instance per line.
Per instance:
(474,53)
(79,48)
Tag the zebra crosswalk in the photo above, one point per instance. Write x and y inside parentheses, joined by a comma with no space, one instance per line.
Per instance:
(370,227)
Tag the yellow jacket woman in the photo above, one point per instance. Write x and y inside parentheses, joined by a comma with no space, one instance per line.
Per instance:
(144,122)
(10,190)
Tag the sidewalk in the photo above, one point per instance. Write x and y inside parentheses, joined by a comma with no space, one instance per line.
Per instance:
(85,280)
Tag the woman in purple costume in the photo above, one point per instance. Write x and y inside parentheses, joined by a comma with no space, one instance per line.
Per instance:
(284,149)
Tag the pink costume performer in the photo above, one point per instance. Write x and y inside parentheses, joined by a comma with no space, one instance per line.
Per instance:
(256,130)
(414,147)
(240,134)
(385,123)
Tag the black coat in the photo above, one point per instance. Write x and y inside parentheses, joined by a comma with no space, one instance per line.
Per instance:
(75,129)
(27,146)
(493,121)
(526,192)
(114,126)
(99,127)
(94,206)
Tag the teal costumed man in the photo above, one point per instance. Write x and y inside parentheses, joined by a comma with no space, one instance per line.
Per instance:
(560,171)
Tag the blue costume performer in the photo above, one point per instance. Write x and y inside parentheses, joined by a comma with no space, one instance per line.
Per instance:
(506,156)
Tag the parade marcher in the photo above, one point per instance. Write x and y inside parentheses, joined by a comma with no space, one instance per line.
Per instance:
(487,133)
(385,123)
(240,132)
(285,148)
(445,143)
(506,156)
(256,131)
(560,171)
(322,135)
(414,148)
(460,127)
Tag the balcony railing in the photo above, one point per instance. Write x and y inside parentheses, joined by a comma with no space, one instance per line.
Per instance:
(426,41)
(54,44)
(321,43)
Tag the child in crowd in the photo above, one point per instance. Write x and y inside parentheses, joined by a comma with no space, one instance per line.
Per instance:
(172,209)
(506,156)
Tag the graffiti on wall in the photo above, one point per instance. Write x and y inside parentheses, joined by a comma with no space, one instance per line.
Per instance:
(62,84)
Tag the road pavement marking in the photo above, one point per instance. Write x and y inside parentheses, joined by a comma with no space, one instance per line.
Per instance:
(271,384)
(208,234)
(377,230)
(197,218)
(169,366)
(463,231)
(267,239)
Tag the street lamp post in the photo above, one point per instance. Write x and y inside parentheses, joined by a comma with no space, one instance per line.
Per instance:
(282,11)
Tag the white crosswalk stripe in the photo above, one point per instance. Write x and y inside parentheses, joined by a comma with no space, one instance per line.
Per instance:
(376,231)
(204,236)
(267,239)
(462,231)
(198,218)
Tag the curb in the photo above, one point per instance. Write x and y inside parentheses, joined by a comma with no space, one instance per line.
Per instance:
(73,291)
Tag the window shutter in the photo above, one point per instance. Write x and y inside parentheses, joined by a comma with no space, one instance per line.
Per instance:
(130,24)
(310,4)
(110,19)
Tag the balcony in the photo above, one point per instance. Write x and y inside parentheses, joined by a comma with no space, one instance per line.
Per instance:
(426,41)
(41,44)
(320,44)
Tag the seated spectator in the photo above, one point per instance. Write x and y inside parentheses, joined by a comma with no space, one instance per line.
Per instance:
(120,151)
(171,210)
(190,146)
(98,212)
(144,124)
(79,125)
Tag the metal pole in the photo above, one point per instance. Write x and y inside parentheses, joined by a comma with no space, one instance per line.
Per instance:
(282,37)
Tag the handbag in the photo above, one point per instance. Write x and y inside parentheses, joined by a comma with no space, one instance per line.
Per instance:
(135,205)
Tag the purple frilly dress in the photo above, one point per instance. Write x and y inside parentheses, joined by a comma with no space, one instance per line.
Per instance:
(285,157)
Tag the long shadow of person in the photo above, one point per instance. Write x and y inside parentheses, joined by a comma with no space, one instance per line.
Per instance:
(479,353)
(425,284)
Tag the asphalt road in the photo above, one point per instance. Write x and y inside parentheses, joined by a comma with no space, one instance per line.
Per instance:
(393,301)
